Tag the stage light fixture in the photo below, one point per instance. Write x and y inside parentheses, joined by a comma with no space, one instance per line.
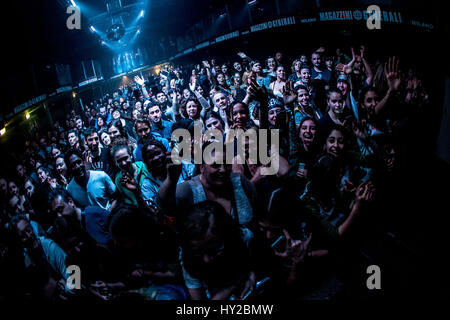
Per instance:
(2,131)
(92,28)
(115,32)
(141,14)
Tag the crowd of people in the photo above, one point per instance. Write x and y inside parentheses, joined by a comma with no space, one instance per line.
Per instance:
(102,192)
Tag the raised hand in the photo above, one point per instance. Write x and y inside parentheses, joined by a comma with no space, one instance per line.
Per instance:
(259,93)
(139,81)
(242,55)
(192,85)
(289,94)
(365,193)
(295,250)
(392,73)
(361,50)
(129,182)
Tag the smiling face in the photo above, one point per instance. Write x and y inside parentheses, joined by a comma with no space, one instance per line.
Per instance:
(106,139)
(217,174)
(273,115)
(370,101)
(308,132)
(281,73)
(220,100)
(335,143)
(240,115)
(93,142)
(335,103)
(343,86)
(221,79)
(191,109)
(60,166)
(303,97)
(305,75)
(271,63)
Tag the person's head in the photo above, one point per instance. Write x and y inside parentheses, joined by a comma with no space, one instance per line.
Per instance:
(221,79)
(116,114)
(116,130)
(191,109)
(125,105)
(213,249)
(29,188)
(303,58)
(224,69)
(369,100)
(43,174)
(3,187)
(217,174)
(142,127)
(60,165)
(21,228)
(281,73)
(335,142)
(56,152)
(271,63)
(239,115)
(256,67)
(305,73)
(316,59)
(61,202)
(105,138)
(329,61)
(220,100)
(308,128)
(200,90)
(161,97)
(102,111)
(237,66)
(20,170)
(303,97)
(75,164)
(154,113)
(121,154)
(79,124)
(186,94)
(214,121)
(100,122)
(136,114)
(278,56)
(274,109)
(237,79)
(72,138)
(335,101)
(70,236)
(296,66)
(154,155)
(92,139)
(342,84)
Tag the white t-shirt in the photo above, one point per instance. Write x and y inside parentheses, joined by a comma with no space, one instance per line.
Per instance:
(98,191)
